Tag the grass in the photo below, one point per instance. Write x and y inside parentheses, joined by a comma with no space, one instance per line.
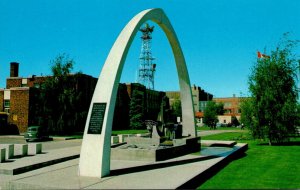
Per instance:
(237,136)
(129,132)
(263,166)
(218,128)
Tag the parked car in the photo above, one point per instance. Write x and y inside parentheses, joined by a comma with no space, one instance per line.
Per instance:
(36,133)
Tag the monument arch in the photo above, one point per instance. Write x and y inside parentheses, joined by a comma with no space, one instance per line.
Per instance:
(95,150)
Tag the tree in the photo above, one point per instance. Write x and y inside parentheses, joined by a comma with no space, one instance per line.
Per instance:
(176,109)
(247,112)
(219,108)
(59,101)
(210,117)
(234,121)
(273,88)
(136,110)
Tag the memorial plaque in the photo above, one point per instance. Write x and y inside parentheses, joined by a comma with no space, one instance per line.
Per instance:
(96,120)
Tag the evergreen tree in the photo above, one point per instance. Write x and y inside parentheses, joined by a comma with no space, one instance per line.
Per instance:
(136,110)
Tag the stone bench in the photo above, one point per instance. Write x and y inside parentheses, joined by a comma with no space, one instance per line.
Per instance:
(34,148)
(21,150)
(9,150)
(2,155)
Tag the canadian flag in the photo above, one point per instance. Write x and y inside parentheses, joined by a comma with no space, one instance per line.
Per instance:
(260,55)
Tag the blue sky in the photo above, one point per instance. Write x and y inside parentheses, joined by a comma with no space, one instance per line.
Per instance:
(219,38)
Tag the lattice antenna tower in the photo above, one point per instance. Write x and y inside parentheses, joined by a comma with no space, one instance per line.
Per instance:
(146,67)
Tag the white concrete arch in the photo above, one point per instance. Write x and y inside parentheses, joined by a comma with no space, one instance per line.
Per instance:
(95,150)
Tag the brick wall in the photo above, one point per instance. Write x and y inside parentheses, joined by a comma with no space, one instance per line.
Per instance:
(13,82)
(1,100)
(231,105)
(19,108)
(31,82)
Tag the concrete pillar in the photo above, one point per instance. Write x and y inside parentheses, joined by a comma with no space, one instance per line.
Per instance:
(2,155)
(121,138)
(9,150)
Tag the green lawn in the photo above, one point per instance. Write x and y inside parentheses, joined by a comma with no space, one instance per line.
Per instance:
(218,128)
(129,132)
(262,167)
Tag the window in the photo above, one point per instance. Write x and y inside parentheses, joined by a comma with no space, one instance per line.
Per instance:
(6,110)
(6,103)
(227,104)
(24,82)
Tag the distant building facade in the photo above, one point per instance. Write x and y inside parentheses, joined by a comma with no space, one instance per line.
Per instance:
(232,108)
(231,105)
(200,99)
(19,98)
(151,103)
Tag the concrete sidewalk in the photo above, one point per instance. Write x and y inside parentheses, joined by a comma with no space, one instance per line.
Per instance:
(183,172)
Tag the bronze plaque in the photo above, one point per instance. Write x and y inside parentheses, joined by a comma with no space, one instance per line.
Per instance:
(97,117)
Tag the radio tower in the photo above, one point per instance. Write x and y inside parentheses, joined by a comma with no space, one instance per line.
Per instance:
(147,67)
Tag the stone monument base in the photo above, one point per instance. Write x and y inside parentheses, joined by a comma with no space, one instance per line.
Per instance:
(147,149)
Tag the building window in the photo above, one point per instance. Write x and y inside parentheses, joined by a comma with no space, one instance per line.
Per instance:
(6,110)
(24,82)
(6,103)
(227,104)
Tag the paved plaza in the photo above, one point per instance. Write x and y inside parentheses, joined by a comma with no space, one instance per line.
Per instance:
(58,169)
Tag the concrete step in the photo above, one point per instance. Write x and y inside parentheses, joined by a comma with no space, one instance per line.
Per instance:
(31,162)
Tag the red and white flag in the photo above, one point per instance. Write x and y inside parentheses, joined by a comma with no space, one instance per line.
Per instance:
(260,55)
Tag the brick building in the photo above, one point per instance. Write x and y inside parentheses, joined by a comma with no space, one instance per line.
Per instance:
(231,105)
(151,102)
(19,98)
(231,108)
(200,97)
